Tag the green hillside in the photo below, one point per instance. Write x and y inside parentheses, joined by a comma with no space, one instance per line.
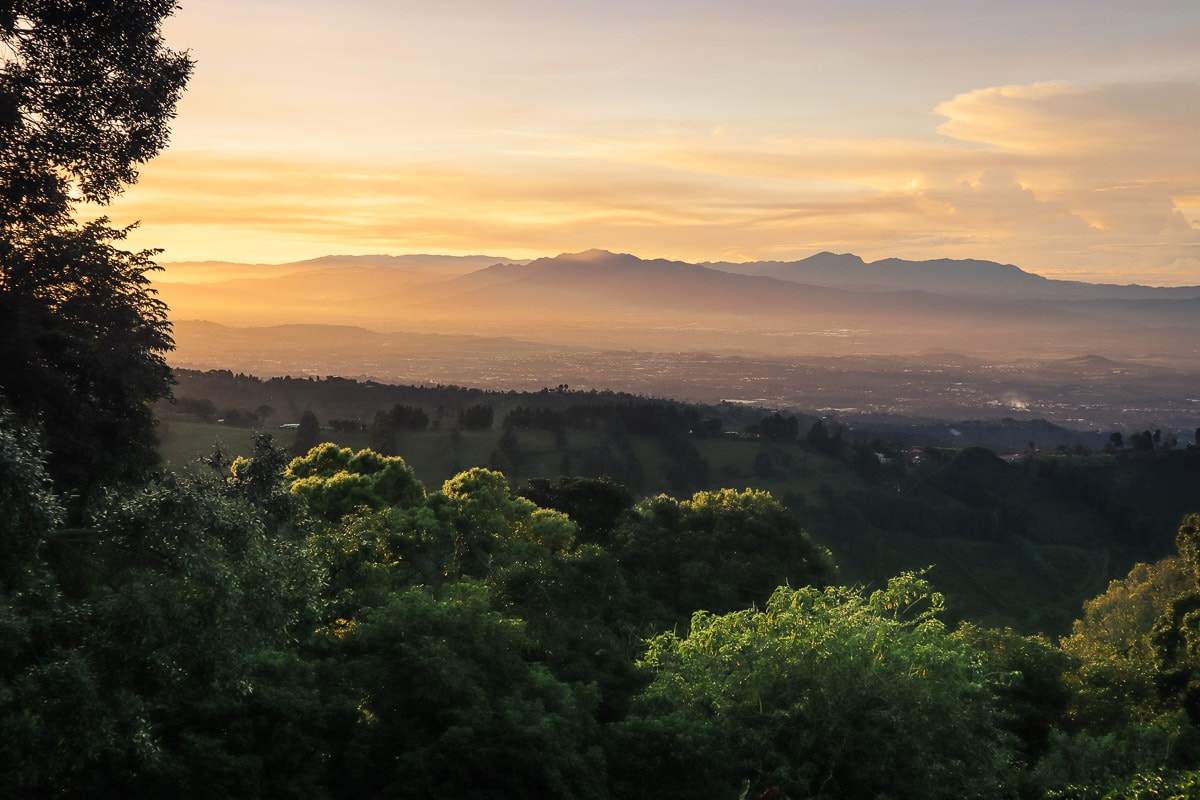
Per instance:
(1019,543)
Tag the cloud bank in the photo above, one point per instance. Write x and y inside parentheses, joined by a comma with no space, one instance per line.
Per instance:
(1096,181)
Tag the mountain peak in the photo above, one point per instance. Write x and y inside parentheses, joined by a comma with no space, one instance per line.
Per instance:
(846,258)
(594,254)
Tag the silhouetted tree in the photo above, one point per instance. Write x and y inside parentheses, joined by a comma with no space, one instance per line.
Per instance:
(308,435)
(263,412)
(511,447)
(82,339)
(779,428)
(86,91)
(476,418)
(1141,442)
(819,436)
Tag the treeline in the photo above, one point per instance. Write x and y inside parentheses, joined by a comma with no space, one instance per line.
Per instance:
(340,398)
(643,417)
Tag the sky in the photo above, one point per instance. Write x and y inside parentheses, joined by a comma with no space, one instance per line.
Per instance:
(1060,136)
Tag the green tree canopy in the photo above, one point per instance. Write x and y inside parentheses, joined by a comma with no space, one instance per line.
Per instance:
(718,551)
(448,703)
(1116,677)
(334,481)
(167,661)
(823,693)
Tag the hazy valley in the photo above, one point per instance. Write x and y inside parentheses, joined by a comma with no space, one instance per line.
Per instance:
(830,333)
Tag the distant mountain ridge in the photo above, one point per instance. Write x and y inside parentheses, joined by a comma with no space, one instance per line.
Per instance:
(946,276)
(829,303)
(619,282)
(954,277)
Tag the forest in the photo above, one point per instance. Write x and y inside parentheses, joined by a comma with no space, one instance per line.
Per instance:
(326,626)
(323,624)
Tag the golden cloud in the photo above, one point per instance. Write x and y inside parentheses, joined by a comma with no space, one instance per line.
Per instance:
(1048,176)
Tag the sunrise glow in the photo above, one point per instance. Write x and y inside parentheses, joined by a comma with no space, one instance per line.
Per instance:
(1061,139)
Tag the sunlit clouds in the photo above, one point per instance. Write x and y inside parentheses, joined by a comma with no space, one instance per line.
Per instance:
(550,129)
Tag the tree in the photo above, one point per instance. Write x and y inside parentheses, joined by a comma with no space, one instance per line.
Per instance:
(86,91)
(263,412)
(168,662)
(510,446)
(823,693)
(819,437)
(308,434)
(776,427)
(719,551)
(1143,442)
(596,505)
(445,702)
(1115,677)
(82,339)
(1176,635)
(334,481)
(476,418)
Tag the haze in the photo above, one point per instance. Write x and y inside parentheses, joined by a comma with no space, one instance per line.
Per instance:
(954,339)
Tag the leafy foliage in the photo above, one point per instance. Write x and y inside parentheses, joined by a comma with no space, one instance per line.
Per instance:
(830,693)
(718,551)
(28,506)
(86,91)
(82,339)
(448,702)
(1115,678)
(334,481)
(166,662)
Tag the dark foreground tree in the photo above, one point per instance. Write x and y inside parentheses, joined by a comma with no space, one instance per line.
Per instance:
(448,703)
(82,340)
(86,91)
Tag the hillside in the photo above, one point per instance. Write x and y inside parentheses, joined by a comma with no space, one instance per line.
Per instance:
(1021,542)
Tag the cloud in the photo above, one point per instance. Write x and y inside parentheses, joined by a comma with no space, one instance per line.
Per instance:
(1076,180)
(1156,120)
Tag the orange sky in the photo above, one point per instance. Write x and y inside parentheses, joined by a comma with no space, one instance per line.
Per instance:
(1060,139)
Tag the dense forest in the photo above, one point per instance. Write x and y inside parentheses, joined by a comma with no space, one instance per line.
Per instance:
(326,626)
(323,624)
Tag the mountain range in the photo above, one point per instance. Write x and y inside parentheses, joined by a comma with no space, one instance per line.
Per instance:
(955,277)
(828,303)
(831,333)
